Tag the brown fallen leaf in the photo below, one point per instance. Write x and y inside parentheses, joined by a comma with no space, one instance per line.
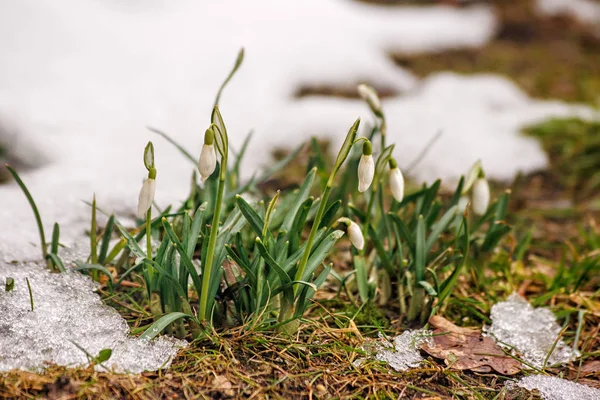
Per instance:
(466,349)
(590,368)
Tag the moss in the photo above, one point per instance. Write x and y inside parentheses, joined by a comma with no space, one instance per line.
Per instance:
(574,149)
(369,315)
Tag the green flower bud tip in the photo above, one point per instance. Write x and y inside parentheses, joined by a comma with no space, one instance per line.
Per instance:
(367,149)
(393,163)
(209,137)
(149,156)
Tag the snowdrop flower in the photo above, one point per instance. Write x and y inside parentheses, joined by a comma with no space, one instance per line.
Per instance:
(208,156)
(366,168)
(396,181)
(369,95)
(474,172)
(356,236)
(146,197)
(354,233)
(463,202)
(481,196)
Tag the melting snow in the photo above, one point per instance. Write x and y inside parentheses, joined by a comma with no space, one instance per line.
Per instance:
(531,331)
(401,353)
(553,388)
(67,311)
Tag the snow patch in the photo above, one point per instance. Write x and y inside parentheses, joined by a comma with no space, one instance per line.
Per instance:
(401,353)
(66,314)
(531,331)
(586,11)
(553,388)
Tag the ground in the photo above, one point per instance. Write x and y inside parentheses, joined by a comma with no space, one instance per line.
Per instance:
(558,207)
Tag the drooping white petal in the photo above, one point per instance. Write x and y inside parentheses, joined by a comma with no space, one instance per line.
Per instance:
(366,170)
(208,161)
(396,182)
(355,235)
(463,202)
(481,196)
(146,196)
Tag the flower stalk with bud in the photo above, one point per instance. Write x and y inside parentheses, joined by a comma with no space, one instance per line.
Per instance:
(146,198)
(217,134)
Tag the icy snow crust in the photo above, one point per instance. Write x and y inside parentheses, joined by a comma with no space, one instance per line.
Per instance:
(531,331)
(553,388)
(402,352)
(82,78)
(67,311)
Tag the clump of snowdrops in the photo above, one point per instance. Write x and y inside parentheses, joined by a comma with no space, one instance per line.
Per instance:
(233,255)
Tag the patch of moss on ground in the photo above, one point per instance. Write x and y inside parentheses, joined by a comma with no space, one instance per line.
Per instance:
(370,315)
(574,149)
(547,57)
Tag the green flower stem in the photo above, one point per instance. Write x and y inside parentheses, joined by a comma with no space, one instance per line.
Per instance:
(313,231)
(149,243)
(212,242)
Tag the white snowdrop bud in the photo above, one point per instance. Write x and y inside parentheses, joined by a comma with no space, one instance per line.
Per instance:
(208,156)
(146,196)
(355,235)
(396,181)
(463,202)
(369,95)
(481,196)
(366,168)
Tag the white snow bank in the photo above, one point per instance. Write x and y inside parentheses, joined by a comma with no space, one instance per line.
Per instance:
(586,11)
(66,311)
(553,388)
(531,331)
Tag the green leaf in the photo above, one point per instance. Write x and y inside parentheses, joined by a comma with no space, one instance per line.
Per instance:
(404,232)
(420,250)
(161,324)
(192,239)
(131,242)
(361,278)
(95,267)
(106,239)
(344,151)
(103,355)
(440,227)
(299,198)
(320,252)
(256,222)
(428,288)
(55,238)
(57,261)
(381,164)
(34,208)
(329,214)
(9,285)
(183,255)
(238,63)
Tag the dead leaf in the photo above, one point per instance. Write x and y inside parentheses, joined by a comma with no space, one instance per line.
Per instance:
(464,348)
(590,368)
(222,384)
